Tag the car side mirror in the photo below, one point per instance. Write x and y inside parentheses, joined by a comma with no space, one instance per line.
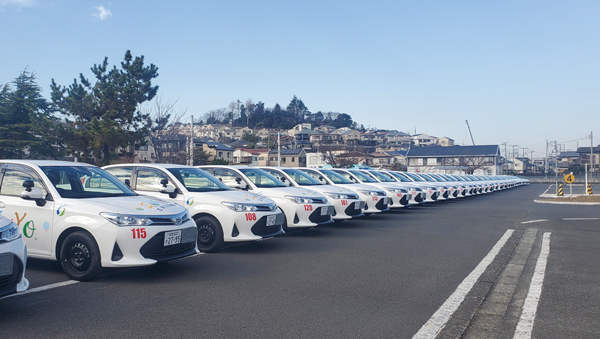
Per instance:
(33,194)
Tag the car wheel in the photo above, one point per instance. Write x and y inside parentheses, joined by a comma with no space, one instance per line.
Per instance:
(210,234)
(80,256)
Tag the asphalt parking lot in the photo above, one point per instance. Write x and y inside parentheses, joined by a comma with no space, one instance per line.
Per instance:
(385,276)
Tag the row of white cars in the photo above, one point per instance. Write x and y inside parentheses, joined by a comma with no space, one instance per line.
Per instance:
(128,215)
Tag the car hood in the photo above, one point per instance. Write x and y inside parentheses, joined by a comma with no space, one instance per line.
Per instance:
(137,205)
(229,196)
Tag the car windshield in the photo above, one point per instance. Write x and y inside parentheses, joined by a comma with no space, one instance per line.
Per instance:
(362,176)
(399,176)
(335,178)
(261,178)
(414,176)
(196,180)
(302,178)
(382,177)
(81,182)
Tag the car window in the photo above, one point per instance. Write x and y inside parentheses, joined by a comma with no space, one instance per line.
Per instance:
(121,173)
(261,178)
(382,177)
(12,182)
(85,182)
(227,176)
(149,180)
(196,180)
(302,178)
(336,178)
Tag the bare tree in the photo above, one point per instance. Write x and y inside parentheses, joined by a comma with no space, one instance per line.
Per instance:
(216,116)
(341,157)
(164,133)
(468,163)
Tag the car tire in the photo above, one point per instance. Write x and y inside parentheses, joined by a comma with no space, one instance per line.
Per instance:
(210,234)
(80,256)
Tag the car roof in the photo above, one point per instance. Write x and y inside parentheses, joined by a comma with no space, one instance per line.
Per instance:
(44,162)
(150,165)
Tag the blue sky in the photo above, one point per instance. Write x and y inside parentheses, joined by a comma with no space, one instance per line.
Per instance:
(521,72)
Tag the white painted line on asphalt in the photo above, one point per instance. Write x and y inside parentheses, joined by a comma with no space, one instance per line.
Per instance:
(532,221)
(439,319)
(525,324)
(43,288)
(547,189)
(581,218)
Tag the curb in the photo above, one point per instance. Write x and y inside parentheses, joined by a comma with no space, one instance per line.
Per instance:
(566,202)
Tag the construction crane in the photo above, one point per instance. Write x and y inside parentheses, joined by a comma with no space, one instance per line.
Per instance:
(471,134)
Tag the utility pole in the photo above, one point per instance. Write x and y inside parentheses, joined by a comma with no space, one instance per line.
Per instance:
(513,156)
(546,162)
(191,154)
(278,149)
(592,152)
(505,156)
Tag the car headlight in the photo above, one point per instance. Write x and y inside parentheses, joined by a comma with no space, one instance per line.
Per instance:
(367,192)
(239,207)
(432,188)
(395,190)
(336,195)
(10,232)
(127,220)
(299,200)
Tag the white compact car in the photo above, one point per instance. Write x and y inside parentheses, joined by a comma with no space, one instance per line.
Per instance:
(302,207)
(13,258)
(399,195)
(87,219)
(416,191)
(347,204)
(432,192)
(221,214)
(376,199)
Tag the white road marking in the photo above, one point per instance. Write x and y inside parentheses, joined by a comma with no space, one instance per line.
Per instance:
(546,191)
(43,288)
(581,218)
(443,314)
(525,324)
(532,221)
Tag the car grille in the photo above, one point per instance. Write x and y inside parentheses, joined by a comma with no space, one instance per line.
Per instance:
(404,200)
(381,205)
(352,211)
(177,219)
(317,218)
(155,248)
(319,200)
(8,283)
(260,228)
(266,207)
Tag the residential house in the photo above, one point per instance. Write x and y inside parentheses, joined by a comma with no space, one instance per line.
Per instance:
(248,156)
(481,159)
(423,140)
(215,150)
(293,157)
(445,142)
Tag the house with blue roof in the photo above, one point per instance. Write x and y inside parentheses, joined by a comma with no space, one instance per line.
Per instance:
(480,159)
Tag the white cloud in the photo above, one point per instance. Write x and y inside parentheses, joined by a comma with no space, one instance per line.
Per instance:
(102,14)
(17,3)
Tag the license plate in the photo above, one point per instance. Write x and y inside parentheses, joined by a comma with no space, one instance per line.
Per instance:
(172,238)
(271,219)
(358,205)
(324,210)
(6,264)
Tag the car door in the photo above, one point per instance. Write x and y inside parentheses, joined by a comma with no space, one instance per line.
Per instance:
(147,182)
(35,222)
